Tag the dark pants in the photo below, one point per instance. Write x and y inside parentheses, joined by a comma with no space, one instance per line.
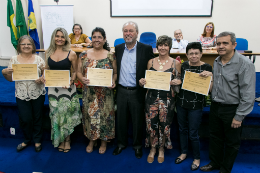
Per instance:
(30,116)
(189,121)
(129,104)
(224,140)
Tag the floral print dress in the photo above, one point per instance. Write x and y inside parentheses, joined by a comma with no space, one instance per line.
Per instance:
(159,112)
(98,103)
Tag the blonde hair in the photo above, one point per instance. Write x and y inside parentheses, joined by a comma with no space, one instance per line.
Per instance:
(212,33)
(52,48)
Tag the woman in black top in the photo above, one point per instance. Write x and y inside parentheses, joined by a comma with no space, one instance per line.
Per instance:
(159,104)
(189,105)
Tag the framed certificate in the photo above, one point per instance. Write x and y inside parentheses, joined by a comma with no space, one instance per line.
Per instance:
(57,78)
(23,72)
(195,83)
(157,80)
(100,77)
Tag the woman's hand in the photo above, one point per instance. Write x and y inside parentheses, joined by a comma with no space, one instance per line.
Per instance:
(175,82)
(205,74)
(40,80)
(113,85)
(142,82)
(85,80)
(8,71)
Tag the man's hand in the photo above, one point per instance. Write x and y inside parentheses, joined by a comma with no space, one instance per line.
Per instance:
(142,82)
(236,124)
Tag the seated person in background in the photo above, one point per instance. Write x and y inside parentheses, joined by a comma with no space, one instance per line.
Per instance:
(77,37)
(208,39)
(178,42)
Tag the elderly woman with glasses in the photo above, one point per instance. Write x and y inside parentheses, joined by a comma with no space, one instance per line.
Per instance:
(77,37)
(30,94)
(208,39)
(189,105)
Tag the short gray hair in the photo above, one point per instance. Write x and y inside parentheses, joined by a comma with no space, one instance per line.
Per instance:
(177,30)
(227,33)
(131,23)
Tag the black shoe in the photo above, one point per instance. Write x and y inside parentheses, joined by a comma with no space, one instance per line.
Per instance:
(208,167)
(138,153)
(117,151)
(194,167)
(20,147)
(178,160)
(38,149)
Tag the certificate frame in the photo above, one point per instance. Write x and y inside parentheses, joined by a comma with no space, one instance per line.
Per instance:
(57,70)
(145,86)
(183,83)
(89,68)
(14,66)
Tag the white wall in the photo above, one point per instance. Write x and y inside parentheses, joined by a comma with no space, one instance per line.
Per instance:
(238,16)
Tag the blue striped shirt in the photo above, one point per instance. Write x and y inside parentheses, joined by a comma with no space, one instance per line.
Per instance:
(127,76)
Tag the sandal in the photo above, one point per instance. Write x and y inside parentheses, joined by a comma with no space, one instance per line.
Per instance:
(161,159)
(149,158)
(89,148)
(102,149)
(66,150)
(61,149)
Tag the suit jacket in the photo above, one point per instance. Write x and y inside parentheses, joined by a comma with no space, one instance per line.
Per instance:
(144,53)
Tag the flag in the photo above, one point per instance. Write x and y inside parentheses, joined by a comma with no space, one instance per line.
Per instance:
(20,20)
(11,23)
(32,27)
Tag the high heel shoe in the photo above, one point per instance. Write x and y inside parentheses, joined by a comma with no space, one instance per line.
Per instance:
(89,148)
(68,149)
(61,149)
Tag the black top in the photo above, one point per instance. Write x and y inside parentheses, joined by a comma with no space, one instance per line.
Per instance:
(188,99)
(64,64)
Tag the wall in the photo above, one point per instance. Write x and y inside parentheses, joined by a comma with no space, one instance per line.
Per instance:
(228,15)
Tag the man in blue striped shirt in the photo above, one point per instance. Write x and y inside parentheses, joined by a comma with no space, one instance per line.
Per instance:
(132,58)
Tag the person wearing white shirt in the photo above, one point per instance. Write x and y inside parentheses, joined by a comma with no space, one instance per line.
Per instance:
(178,42)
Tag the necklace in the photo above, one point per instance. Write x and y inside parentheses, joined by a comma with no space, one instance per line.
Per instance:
(161,64)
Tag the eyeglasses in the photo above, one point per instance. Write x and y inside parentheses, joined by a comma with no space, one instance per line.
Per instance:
(191,54)
(24,44)
(77,29)
(209,27)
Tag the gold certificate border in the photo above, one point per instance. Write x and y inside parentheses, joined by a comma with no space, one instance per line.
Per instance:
(26,79)
(102,85)
(57,86)
(195,91)
(158,88)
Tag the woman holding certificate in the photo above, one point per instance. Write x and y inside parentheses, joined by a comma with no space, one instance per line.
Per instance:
(98,98)
(64,104)
(189,105)
(30,94)
(159,104)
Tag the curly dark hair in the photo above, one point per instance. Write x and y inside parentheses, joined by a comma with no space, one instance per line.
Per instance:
(194,45)
(102,32)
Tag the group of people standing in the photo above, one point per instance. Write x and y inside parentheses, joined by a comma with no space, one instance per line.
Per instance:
(232,90)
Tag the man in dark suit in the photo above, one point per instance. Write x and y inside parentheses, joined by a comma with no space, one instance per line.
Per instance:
(132,58)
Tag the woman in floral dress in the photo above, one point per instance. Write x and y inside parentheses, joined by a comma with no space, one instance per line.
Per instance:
(98,102)
(64,104)
(159,104)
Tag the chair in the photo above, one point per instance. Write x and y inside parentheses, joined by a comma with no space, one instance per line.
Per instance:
(242,44)
(90,38)
(119,41)
(148,38)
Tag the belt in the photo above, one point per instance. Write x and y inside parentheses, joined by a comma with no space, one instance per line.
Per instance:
(224,105)
(128,88)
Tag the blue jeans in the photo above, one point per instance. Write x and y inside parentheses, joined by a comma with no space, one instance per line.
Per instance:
(189,121)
